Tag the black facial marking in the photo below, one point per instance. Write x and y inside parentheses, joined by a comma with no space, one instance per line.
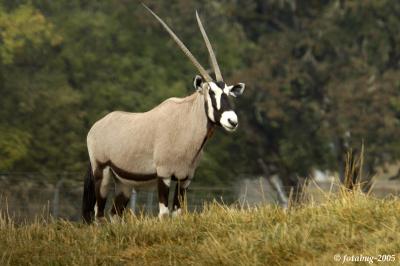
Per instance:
(225,106)
(217,114)
(221,84)
(213,100)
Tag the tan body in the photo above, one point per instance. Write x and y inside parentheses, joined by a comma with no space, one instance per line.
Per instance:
(163,141)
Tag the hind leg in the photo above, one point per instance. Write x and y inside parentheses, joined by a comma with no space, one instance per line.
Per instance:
(102,181)
(122,195)
(179,196)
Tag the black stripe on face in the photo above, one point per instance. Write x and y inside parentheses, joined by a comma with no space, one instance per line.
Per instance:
(225,106)
(221,84)
(214,107)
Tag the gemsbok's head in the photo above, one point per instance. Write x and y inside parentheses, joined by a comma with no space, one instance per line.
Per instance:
(216,91)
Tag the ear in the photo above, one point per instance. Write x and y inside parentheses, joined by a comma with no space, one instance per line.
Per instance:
(237,90)
(198,80)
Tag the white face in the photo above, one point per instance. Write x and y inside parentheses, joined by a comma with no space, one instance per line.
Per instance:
(219,109)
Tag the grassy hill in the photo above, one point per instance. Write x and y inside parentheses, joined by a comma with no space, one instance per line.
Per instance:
(312,234)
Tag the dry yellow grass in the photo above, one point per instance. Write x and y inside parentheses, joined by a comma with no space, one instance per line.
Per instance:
(312,234)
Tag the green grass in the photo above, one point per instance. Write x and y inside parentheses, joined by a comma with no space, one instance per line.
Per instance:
(311,234)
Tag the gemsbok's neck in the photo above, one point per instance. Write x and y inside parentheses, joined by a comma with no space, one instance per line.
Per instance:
(206,127)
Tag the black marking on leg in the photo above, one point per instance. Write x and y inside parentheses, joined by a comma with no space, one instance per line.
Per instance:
(163,192)
(100,201)
(119,205)
(179,196)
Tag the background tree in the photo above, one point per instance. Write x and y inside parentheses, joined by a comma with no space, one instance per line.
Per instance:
(321,78)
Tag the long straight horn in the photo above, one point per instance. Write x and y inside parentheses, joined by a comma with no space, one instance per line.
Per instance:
(214,62)
(185,50)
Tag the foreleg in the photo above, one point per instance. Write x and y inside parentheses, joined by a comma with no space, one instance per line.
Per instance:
(163,193)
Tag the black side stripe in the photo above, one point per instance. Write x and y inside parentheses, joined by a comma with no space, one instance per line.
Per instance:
(126,174)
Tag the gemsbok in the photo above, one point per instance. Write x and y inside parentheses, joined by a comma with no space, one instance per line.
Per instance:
(160,145)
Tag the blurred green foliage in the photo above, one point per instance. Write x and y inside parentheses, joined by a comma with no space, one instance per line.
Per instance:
(321,77)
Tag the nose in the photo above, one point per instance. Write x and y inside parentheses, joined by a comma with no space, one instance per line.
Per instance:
(233,122)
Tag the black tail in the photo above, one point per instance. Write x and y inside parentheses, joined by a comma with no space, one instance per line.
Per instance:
(89,197)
